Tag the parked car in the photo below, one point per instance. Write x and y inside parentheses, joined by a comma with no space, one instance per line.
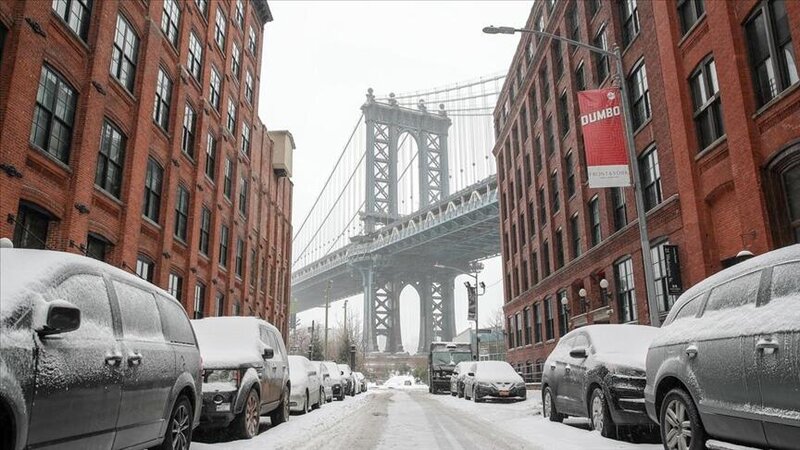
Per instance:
(245,374)
(597,371)
(361,381)
(349,382)
(307,392)
(727,363)
(338,383)
(457,378)
(325,380)
(88,356)
(493,379)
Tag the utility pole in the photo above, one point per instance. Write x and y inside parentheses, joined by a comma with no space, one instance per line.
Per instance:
(345,320)
(327,305)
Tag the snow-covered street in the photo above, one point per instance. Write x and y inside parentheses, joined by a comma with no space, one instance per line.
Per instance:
(415,419)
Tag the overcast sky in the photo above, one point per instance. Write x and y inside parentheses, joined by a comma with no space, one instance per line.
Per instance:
(319,59)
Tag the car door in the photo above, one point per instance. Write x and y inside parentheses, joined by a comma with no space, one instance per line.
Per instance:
(778,353)
(78,378)
(266,376)
(573,381)
(723,361)
(313,380)
(556,372)
(149,367)
(280,369)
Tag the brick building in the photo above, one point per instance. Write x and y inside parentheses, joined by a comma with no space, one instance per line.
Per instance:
(719,155)
(129,132)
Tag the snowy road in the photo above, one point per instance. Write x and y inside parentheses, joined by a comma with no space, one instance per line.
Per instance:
(415,419)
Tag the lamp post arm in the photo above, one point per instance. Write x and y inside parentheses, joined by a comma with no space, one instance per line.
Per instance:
(568,41)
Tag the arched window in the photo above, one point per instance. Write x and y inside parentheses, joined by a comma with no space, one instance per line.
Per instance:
(783,196)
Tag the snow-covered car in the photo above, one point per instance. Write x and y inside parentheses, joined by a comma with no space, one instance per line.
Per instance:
(457,378)
(325,380)
(348,381)
(88,356)
(597,371)
(361,381)
(245,373)
(726,364)
(493,379)
(338,383)
(307,392)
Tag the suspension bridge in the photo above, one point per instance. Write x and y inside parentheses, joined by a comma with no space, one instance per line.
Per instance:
(411,197)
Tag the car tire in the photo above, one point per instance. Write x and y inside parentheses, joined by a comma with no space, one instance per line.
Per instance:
(245,425)
(281,413)
(306,408)
(678,408)
(466,397)
(179,427)
(600,416)
(476,399)
(321,400)
(550,412)
(460,392)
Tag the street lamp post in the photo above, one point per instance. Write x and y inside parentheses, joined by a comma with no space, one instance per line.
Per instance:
(647,258)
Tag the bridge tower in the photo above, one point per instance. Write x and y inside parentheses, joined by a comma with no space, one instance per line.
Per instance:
(385,124)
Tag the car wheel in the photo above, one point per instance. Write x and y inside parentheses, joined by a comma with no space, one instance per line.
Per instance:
(460,393)
(600,416)
(681,428)
(281,413)
(245,425)
(475,398)
(466,397)
(306,408)
(549,406)
(179,430)
(321,398)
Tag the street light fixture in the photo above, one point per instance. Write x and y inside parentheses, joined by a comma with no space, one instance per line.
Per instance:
(469,287)
(647,258)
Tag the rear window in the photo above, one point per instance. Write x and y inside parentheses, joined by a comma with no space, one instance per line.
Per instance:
(175,321)
(786,281)
(735,293)
(140,318)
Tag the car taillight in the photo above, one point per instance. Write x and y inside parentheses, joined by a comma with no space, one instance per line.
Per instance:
(237,377)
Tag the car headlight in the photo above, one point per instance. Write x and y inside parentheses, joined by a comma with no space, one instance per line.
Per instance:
(483,385)
(228,376)
(521,384)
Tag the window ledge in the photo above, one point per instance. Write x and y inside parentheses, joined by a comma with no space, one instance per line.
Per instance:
(180,241)
(630,43)
(123,92)
(50,158)
(644,124)
(691,29)
(108,195)
(783,94)
(151,222)
(711,147)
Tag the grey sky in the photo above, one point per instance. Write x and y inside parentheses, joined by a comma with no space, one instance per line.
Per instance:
(319,59)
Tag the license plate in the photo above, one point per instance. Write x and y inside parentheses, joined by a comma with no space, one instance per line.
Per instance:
(224,407)
(503,393)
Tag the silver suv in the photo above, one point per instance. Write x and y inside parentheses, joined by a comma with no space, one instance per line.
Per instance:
(726,364)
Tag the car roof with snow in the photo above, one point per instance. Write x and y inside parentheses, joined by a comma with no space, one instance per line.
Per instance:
(230,341)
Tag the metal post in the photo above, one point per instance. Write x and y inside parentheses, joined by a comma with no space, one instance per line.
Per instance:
(477,321)
(647,258)
(327,305)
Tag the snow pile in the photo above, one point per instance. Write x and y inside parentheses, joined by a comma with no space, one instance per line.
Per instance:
(227,342)
(496,372)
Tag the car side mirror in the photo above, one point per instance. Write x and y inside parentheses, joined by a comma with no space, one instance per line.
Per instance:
(61,317)
(471,374)
(579,352)
(341,372)
(269,353)
(325,376)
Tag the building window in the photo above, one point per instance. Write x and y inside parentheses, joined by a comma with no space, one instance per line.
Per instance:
(163,100)
(219,31)
(239,266)
(620,208)
(593,6)
(651,178)
(690,11)
(542,208)
(554,193)
(253,265)
(580,78)
(220,309)
(534,105)
(170,19)
(231,123)
(214,88)
(791,186)
(195,61)
(569,167)
(526,317)
(227,182)
(563,318)
(211,157)
(559,249)
(665,301)
(246,138)
(594,221)
(236,60)
(248,87)
(545,84)
(535,267)
(640,95)
(240,14)
(199,300)
(545,259)
(223,246)
(205,230)
(189,123)
(97,247)
(601,60)
(537,319)
(145,268)
(76,14)
(175,286)
(558,59)
(31,228)
(124,53)
(202,5)
(181,213)
(509,322)
(549,325)
(630,21)
(251,40)
(152,190)
(563,112)
(518,328)
(771,52)
(550,136)
(626,294)
(573,24)
(707,103)
(243,188)
(53,115)
(110,160)
(575,231)
(537,153)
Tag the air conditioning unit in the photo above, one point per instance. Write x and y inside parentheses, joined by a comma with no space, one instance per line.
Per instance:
(282,149)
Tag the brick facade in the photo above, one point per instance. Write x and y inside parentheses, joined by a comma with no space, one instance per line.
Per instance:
(65,190)
(714,202)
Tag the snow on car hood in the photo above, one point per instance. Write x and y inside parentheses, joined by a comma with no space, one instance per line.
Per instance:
(496,372)
(228,342)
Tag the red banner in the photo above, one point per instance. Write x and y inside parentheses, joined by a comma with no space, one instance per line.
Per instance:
(604,138)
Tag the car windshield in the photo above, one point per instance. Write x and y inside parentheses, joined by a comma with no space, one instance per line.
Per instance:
(495,369)
(450,358)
